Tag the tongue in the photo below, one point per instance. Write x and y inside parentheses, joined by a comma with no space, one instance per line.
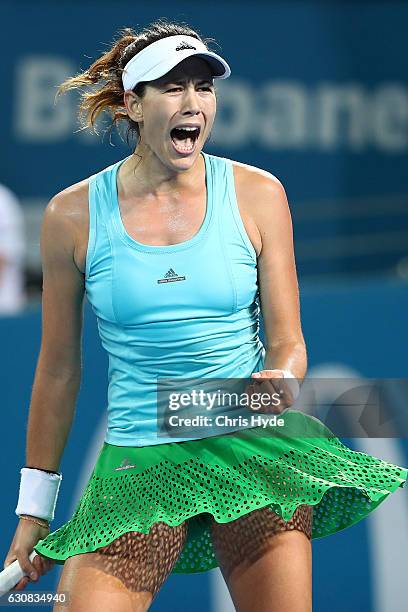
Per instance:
(185,144)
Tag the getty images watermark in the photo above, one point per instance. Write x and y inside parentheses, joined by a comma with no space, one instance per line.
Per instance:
(210,402)
(343,407)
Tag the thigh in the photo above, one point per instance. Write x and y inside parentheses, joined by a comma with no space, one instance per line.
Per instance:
(123,576)
(240,543)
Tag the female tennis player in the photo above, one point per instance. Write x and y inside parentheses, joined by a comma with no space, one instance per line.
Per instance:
(179,252)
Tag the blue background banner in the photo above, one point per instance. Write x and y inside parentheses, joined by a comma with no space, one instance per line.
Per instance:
(311,84)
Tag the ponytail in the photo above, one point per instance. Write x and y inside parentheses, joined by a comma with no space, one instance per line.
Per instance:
(104,76)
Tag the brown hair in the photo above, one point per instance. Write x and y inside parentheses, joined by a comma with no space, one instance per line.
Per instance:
(106,74)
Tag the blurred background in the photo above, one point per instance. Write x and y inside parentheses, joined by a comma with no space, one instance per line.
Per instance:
(319,97)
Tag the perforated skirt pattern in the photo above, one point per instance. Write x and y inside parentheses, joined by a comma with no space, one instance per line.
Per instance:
(222,478)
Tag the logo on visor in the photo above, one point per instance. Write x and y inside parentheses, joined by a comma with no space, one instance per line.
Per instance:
(184,45)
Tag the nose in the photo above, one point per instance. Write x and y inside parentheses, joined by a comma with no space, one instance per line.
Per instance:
(190,104)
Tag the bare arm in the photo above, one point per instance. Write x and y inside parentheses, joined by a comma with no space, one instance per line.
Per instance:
(58,371)
(277,278)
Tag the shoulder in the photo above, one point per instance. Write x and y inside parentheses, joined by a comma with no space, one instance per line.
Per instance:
(64,230)
(70,201)
(263,204)
(66,215)
(258,182)
(262,197)
(71,204)
(65,223)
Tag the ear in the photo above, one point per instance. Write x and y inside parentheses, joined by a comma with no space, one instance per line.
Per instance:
(133,104)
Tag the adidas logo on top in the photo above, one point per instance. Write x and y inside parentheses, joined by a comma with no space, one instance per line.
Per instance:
(171,277)
(170,273)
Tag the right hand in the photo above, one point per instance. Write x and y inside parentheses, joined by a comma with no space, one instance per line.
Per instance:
(272,386)
(27,535)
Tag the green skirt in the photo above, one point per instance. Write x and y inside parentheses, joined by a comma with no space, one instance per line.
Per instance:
(225,476)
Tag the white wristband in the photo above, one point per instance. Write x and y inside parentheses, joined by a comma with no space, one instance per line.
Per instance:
(293,384)
(38,493)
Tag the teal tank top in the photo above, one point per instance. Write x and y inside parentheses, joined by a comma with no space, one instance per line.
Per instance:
(187,310)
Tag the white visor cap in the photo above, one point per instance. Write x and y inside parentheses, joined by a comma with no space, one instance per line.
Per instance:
(160,57)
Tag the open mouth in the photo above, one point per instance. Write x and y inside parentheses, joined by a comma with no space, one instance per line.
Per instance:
(184,138)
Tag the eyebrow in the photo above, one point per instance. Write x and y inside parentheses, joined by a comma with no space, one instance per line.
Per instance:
(179,81)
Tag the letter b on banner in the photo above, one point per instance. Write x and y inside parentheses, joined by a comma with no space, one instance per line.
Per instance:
(37,117)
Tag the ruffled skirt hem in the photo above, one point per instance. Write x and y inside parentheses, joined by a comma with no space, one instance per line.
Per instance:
(221,479)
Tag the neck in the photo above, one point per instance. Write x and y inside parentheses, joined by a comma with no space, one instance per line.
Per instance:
(146,174)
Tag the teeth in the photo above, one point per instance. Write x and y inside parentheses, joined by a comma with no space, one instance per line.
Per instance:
(185,146)
(185,137)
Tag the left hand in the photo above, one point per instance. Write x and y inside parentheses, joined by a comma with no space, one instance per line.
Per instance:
(272,383)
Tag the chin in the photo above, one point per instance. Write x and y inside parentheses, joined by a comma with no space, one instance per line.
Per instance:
(184,163)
